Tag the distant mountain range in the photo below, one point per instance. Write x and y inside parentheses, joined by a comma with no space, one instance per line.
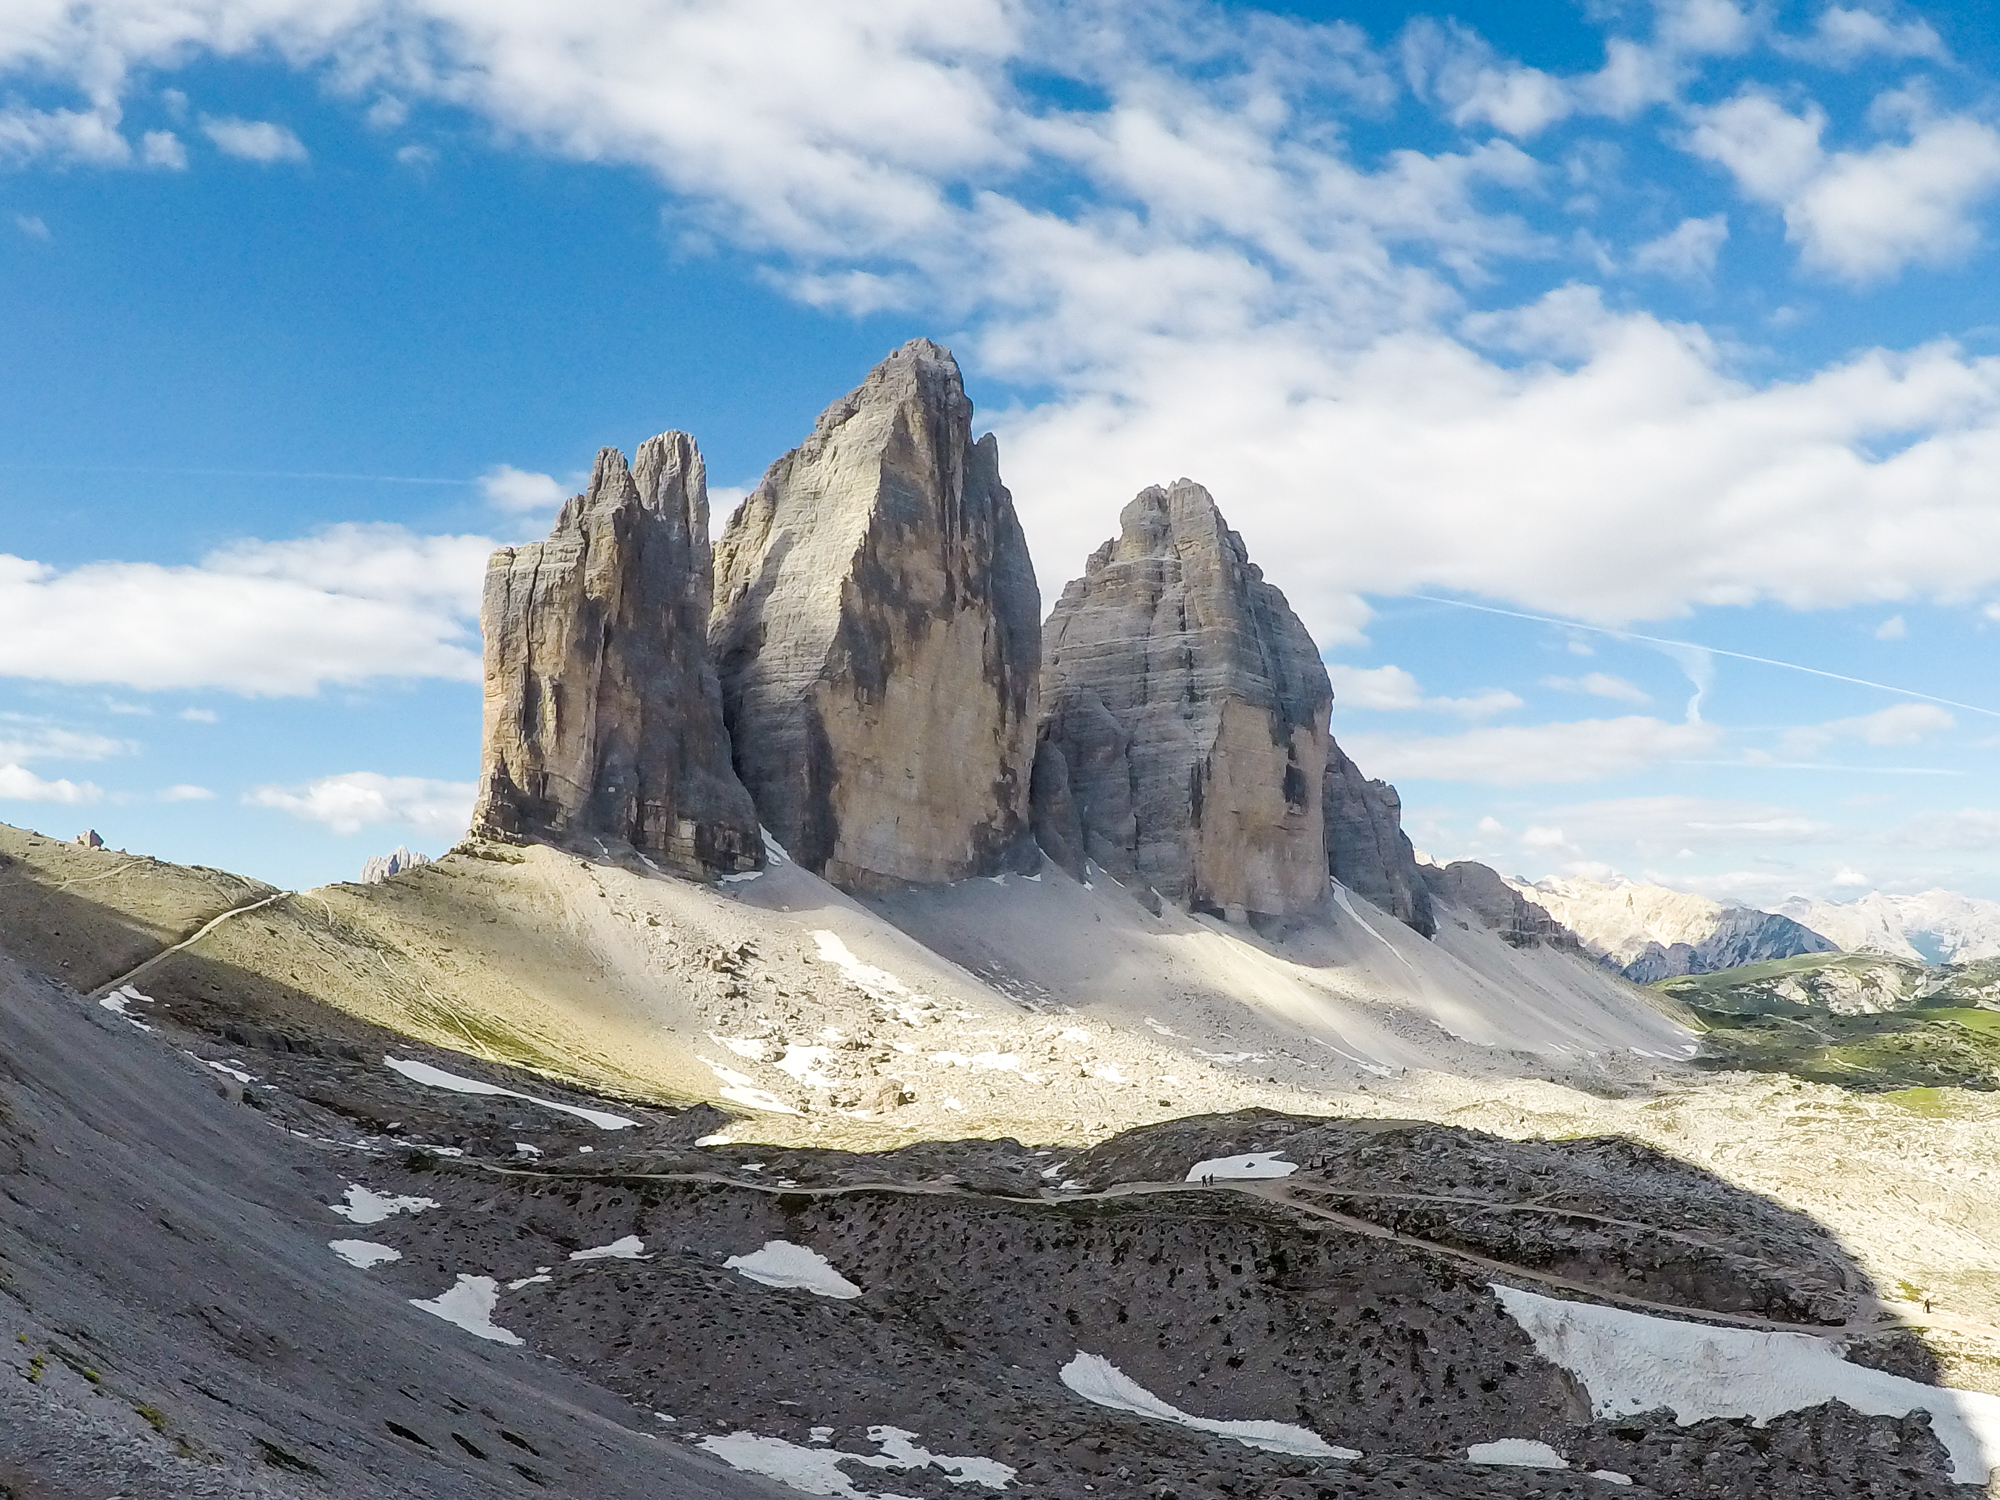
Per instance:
(1649,932)
(1939,927)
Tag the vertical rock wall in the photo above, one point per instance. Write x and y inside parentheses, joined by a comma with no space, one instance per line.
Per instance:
(1189,708)
(1366,848)
(603,717)
(877,631)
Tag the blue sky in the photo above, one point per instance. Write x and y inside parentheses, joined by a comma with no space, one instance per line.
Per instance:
(1668,331)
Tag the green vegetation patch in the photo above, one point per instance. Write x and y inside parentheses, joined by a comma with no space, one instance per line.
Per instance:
(1922,1049)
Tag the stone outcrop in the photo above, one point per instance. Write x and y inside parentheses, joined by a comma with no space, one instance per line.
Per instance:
(1188,709)
(1481,892)
(379,867)
(603,718)
(1366,848)
(877,632)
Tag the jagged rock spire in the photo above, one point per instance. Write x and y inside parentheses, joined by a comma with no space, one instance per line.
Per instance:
(1187,707)
(603,718)
(877,634)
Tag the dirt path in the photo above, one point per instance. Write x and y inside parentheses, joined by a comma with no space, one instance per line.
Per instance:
(1271,1192)
(187,942)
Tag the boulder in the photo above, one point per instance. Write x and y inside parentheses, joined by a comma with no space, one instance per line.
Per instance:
(877,631)
(1189,707)
(1366,848)
(603,718)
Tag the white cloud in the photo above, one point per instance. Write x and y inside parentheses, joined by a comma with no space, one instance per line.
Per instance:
(1584,750)
(1843,35)
(512,489)
(350,802)
(32,225)
(1687,251)
(1600,685)
(1233,294)
(1892,629)
(262,618)
(1899,724)
(1392,688)
(163,149)
(1850,877)
(187,793)
(19,784)
(200,715)
(1860,216)
(23,740)
(254,140)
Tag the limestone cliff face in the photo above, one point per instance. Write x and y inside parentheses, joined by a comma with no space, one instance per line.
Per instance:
(1189,708)
(877,631)
(1482,893)
(603,718)
(1366,848)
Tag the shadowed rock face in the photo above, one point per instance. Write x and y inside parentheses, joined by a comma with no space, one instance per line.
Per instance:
(1189,707)
(1482,892)
(877,631)
(1366,848)
(603,716)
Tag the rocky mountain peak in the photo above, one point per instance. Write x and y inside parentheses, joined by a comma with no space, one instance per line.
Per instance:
(1184,718)
(877,631)
(603,717)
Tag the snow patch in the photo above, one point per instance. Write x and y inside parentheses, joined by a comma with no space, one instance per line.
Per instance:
(361,1254)
(469,1304)
(817,1471)
(438,1078)
(631,1247)
(1632,1362)
(365,1206)
(780,1263)
(1256,1166)
(237,1073)
(117,1000)
(738,1088)
(773,850)
(1522,1453)
(743,1046)
(877,984)
(1102,1383)
(804,1064)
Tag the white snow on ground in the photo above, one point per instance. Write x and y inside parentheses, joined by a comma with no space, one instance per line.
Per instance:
(782,1264)
(739,1088)
(1631,1362)
(900,1451)
(523,1148)
(362,1254)
(774,852)
(817,1471)
(804,1064)
(631,1247)
(365,1206)
(470,1304)
(237,1073)
(740,878)
(877,984)
(437,1078)
(742,1046)
(1258,1164)
(117,1000)
(535,1280)
(1097,1380)
(1525,1453)
(1610,1476)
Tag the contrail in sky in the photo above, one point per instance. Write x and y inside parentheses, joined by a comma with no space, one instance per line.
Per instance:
(1655,640)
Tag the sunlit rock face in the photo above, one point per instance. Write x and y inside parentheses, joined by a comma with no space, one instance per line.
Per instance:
(603,717)
(877,631)
(1189,708)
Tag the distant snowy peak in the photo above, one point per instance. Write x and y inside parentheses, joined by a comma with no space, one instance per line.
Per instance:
(1932,926)
(380,867)
(1648,932)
